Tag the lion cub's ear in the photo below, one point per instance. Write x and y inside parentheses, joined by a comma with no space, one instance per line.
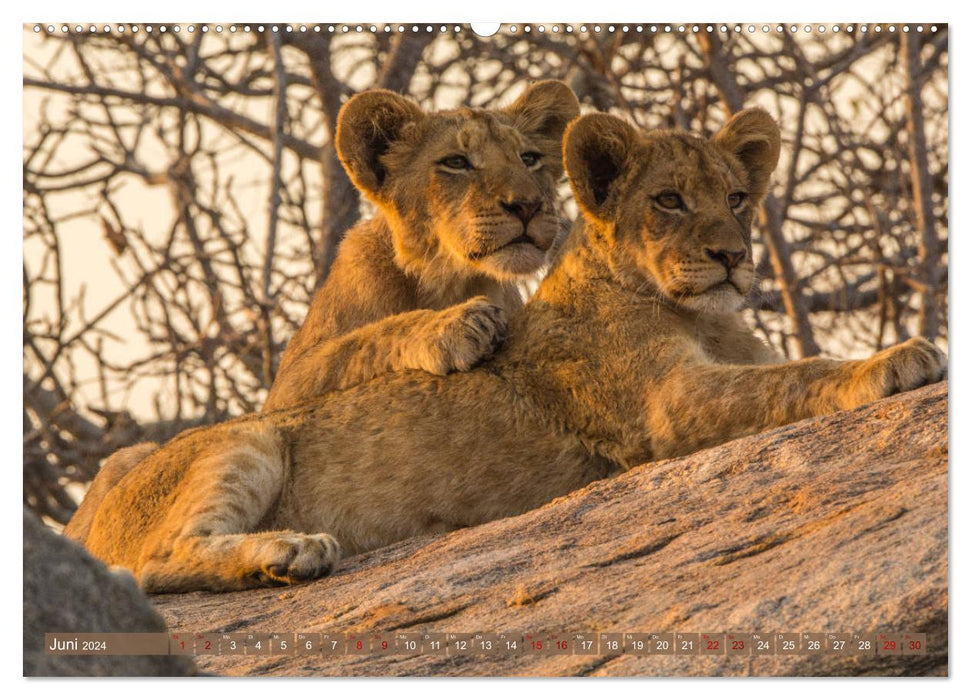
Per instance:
(598,150)
(366,127)
(752,136)
(542,113)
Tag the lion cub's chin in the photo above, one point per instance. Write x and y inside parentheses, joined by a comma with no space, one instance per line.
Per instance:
(513,262)
(723,298)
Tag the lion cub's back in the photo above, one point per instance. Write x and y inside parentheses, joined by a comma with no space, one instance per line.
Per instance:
(415,454)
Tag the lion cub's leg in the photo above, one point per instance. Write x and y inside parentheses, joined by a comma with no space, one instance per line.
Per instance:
(112,471)
(699,406)
(228,491)
(450,340)
(454,339)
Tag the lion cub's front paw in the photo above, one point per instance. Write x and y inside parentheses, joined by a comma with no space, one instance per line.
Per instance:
(284,559)
(468,334)
(909,365)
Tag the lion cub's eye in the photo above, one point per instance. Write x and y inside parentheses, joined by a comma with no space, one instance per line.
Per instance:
(531,158)
(669,200)
(456,162)
(735,199)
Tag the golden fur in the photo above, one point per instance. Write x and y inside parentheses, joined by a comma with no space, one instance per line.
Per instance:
(111,472)
(631,350)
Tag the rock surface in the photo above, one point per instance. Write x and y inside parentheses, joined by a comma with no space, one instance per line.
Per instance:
(68,590)
(836,524)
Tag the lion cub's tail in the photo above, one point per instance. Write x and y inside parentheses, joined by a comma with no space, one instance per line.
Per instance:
(112,471)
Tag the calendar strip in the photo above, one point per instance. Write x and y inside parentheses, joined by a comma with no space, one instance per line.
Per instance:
(737,644)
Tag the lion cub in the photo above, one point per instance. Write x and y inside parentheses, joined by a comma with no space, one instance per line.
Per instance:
(631,350)
(465,210)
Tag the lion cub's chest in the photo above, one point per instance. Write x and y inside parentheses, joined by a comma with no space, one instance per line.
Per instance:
(727,340)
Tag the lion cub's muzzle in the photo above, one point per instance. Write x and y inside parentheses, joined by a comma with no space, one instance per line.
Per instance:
(723,285)
(729,259)
(523,222)
(717,278)
(739,278)
(523,209)
(736,272)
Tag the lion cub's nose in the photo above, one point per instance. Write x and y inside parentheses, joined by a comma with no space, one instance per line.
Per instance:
(728,258)
(523,209)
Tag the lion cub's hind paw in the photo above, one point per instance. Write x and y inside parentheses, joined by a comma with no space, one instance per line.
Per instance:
(477,329)
(296,558)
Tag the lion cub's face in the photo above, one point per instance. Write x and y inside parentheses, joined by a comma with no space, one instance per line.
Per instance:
(469,189)
(678,208)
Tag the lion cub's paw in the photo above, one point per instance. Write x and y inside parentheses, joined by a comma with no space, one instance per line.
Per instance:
(909,365)
(284,559)
(469,333)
